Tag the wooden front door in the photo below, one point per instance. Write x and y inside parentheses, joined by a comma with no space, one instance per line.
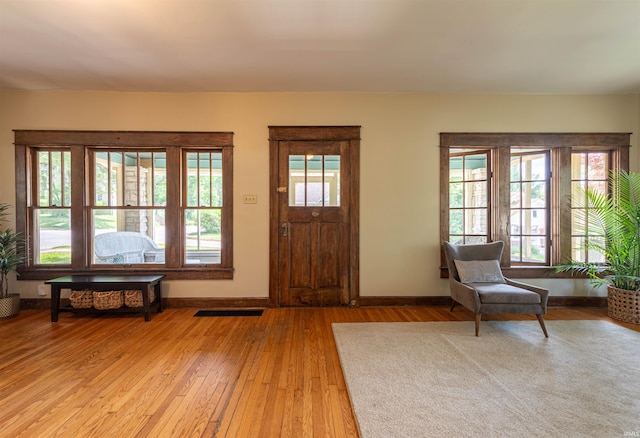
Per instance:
(314,211)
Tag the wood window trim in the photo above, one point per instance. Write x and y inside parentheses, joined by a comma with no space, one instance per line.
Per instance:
(79,142)
(561,145)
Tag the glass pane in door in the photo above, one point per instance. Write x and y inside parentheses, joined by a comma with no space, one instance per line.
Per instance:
(314,180)
(331,180)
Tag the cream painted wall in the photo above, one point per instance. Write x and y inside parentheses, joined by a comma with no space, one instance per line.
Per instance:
(399,174)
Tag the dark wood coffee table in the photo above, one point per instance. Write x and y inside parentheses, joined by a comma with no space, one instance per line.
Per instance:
(145,283)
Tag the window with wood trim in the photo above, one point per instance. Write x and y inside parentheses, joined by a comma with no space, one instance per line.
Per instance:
(114,201)
(529,181)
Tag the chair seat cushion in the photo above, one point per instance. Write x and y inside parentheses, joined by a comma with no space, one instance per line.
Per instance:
(501,293)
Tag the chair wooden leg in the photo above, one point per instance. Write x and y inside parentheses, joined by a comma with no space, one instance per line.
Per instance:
(541,321)
(477,323)
(453,304)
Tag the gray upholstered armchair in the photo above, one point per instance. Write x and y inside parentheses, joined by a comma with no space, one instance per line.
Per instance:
(476,282)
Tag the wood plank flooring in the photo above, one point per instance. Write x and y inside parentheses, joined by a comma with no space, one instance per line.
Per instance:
(277,375)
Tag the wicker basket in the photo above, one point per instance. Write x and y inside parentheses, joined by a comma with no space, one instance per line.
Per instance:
(624,305)
(133,298)
(107,300)
(81,299)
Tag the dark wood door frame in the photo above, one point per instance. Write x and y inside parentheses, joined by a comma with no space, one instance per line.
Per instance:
(314,133)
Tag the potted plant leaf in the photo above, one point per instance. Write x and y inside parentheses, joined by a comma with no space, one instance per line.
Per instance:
(10,258)
(613,224)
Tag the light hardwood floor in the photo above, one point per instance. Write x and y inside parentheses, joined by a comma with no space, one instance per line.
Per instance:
(179,376)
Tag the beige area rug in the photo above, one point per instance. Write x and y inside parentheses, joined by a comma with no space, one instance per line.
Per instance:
(436,379)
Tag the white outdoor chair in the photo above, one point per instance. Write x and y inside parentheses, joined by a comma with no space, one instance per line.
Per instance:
(127,247)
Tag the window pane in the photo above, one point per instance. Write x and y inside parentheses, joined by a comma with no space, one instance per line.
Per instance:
(128,236)
(132,184)
(593,255)
(475,167)
(533,221)
(578,222)
(597,166)
(455,195)
(578,166)
(43,166)
(455,222)
(116,187)
(516,198)
(533,249)
(516,227)
(297,169)
(598,186)
(202,236)
(577,248)
(101,185)
(456,239)
(475,221)
(475,194)
(54,177)
(159,185)
(53,236)
(314,181)
(515,249)
(332,180)
(515,168)
(455,168)
(534,194)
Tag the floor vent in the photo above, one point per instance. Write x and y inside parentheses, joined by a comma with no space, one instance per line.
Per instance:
(245,312)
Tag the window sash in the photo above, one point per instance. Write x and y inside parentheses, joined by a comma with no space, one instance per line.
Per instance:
(472,210)
(533,219)
(584,175)
(203,206)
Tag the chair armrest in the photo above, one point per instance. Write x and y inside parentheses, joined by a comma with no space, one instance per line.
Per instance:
(465,295)
(544,293)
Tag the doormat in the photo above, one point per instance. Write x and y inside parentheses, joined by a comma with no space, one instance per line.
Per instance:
(245,312)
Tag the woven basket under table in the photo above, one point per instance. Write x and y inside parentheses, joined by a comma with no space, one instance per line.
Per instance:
(624,305)
(107,300)
(133,298)
(81,299)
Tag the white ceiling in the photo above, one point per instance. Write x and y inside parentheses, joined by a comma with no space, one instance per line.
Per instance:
(457,46)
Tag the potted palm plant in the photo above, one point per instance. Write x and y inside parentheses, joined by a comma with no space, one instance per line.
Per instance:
(613,222)
(10,258)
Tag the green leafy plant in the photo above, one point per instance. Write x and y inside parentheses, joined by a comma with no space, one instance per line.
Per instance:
(613,221)
(10,252)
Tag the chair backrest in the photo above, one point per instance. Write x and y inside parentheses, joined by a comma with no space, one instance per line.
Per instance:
(483,251)
(113,243)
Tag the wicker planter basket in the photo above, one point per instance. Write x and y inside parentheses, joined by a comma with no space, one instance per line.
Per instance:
(133,298)
(107,300)
(9,305)
(624,305)
(81,299)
